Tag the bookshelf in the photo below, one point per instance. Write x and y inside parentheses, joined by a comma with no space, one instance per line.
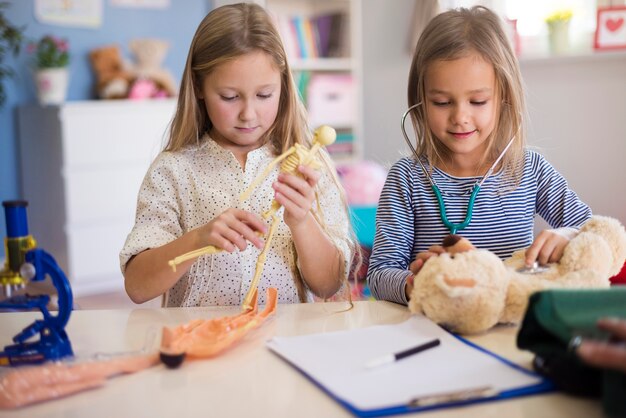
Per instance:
(323,43)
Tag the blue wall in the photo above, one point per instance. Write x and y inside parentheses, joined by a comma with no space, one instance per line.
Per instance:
(175,24)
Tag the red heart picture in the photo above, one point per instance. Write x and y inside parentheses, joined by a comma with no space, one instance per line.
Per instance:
(614,24)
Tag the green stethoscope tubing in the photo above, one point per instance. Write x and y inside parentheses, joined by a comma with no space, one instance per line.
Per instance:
(468,214)
(452,227)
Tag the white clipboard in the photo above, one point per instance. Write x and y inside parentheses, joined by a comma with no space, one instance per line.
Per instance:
(456,372)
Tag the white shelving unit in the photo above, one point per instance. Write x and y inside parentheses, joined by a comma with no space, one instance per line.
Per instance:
(328,102)
(349,63)
(82,165)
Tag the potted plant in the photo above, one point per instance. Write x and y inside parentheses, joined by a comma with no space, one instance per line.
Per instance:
(558,30)
(51,59)
(10,41)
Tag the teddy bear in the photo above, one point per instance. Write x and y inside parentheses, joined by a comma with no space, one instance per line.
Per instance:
(151,80)
(469,290)
(113,79)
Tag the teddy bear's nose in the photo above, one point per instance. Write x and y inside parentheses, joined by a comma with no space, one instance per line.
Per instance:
(450,240)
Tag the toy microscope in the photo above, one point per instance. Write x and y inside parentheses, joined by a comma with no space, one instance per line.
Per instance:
(25,262)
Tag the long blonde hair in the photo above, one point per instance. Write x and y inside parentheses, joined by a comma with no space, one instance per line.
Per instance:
(225,34)
(455,34)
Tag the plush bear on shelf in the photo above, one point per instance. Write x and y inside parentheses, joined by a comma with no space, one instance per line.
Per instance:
(468,290)
(113,79)
(151,80)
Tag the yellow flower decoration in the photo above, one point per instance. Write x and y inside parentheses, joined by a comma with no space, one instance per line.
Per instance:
(559,16)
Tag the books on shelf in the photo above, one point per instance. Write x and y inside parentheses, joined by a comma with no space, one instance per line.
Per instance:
(343,145)
(342,155)
(317,41)
(319,36)
(330,31)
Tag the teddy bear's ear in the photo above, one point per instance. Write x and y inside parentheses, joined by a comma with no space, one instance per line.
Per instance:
(613,232)
(587,251)
(454,244)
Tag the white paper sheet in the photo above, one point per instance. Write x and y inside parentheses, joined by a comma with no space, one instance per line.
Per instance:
(337,361)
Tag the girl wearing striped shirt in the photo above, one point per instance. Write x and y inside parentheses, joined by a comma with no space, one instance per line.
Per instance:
(466,86)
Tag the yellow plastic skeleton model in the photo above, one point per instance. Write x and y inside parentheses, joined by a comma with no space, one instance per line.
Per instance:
(295,156)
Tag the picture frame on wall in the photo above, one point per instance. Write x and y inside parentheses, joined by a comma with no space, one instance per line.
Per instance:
(611,28)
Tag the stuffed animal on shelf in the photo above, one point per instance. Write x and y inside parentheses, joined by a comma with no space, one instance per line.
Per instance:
(113,79)
(152,80)
(468,290)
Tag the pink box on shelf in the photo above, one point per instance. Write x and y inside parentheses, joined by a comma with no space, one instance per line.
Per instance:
(331,100)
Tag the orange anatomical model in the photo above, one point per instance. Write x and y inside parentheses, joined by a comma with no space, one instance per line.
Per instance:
(31,384)
(197,339)
(208,338)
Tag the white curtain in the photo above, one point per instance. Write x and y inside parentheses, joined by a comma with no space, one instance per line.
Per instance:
(423,11)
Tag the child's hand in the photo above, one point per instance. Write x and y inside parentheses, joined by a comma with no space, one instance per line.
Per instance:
(421,258)
(232,229)
(408,287)
(547,248)
(296,194)
(417,265)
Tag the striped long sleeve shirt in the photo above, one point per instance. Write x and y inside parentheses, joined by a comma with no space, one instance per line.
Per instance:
(408,219)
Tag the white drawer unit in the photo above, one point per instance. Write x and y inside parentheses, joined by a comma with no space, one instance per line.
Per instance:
(82,164)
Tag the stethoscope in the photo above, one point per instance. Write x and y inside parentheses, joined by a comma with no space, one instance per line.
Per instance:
(442,206)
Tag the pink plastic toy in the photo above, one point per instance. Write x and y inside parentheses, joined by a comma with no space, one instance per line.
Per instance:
(363,182)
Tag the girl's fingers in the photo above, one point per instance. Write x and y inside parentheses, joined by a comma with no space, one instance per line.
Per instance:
(416,266)
(253,222)
(299,184)
(545,253)
(227,237)
(236,239)
(532,253)
(245,234)
(436,249)
(559,242)
(311,175)
(298,209)
(234,228)
(248,226)
(408,286)
(294,194)
(556,255)
(547,248)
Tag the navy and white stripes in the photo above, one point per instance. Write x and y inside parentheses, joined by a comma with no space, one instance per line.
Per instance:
(408,220)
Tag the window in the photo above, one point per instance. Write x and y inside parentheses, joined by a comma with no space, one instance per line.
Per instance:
(531,25)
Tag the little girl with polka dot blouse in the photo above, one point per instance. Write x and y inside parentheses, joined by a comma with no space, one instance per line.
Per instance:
(237,111)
